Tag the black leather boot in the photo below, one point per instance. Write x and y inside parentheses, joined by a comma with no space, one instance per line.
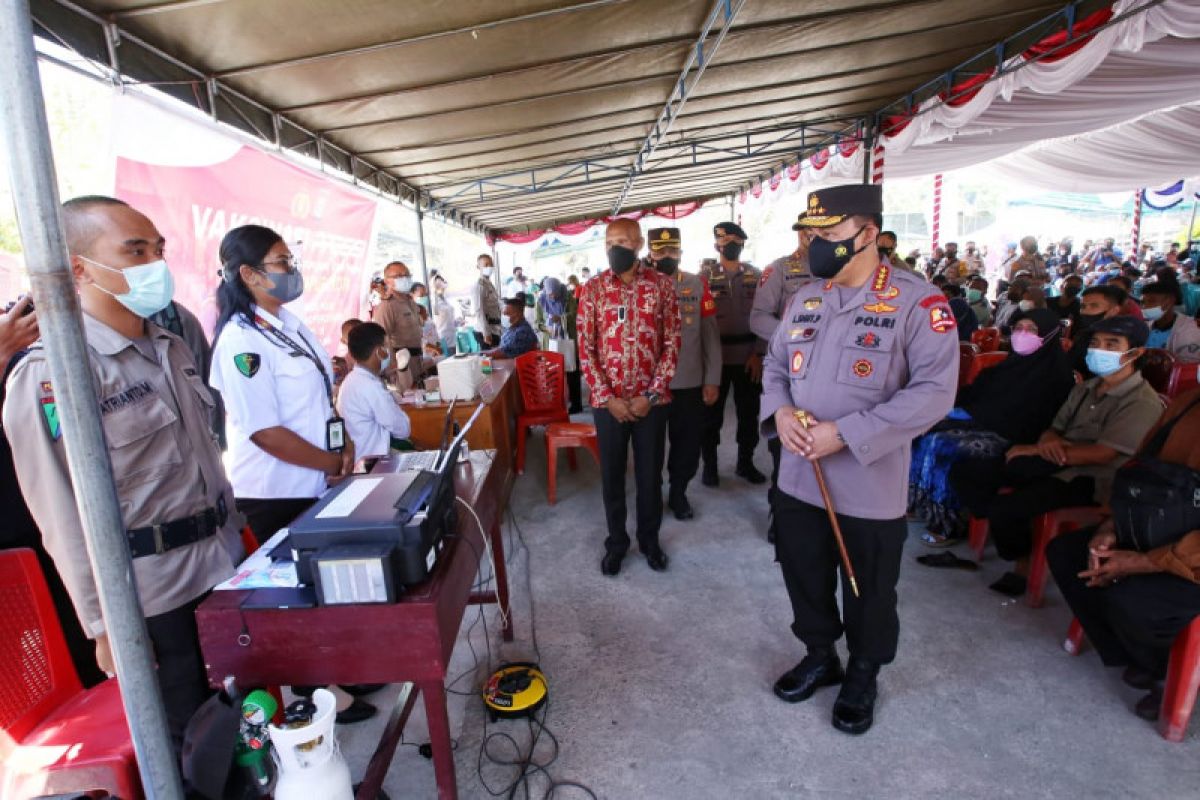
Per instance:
(746,469)
(819,668)
(854,709)
(678,503)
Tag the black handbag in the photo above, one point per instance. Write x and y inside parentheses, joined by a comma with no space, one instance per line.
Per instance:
(1154,502)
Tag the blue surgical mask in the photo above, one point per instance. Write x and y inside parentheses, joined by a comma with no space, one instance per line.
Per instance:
(288,285)
(403,284)
(1152,313)
(1103,362)
(151,287)
(385,363)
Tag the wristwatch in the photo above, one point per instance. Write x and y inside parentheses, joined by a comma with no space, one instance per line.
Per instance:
(652,397)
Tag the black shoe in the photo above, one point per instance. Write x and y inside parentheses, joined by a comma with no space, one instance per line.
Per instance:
(819,668)
(1138,678)
(678,503)
(1148,707)
(611,563)
(657,560)
(1010,584)
(854,709)
(357,711)
(360,689)
(575,410)
(709,476)
(745,469)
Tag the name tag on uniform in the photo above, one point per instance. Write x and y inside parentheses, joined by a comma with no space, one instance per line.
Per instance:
(620,313)
(335,434)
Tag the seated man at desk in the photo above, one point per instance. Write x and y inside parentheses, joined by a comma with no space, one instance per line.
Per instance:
(519,337)
(373,418)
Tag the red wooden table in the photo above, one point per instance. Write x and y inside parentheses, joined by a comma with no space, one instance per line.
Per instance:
(408,642)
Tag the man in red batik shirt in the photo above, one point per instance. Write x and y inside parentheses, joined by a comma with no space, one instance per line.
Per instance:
(629,346)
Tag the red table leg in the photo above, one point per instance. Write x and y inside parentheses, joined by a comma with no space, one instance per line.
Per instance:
(381,760)
(439,738)
(501,580)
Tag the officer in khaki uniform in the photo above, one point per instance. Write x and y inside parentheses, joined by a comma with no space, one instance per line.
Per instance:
(155,409)
(485,304)
(733,284)
(399,315)
(871,353)
(780,280)
(698,376)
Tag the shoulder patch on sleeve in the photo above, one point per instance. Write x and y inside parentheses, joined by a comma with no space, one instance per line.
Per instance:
(941,320)
(247,363)
(49,410)
(766,274)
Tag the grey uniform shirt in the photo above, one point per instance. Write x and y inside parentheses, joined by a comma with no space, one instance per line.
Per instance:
(882,364)
(485,308)
(700,341)
(780,280)
(155,411)
(734,296)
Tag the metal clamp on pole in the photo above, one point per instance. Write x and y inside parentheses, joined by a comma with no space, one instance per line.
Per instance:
(31,166)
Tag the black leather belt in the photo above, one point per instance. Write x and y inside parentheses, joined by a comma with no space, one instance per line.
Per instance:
(158,539)
(741,338)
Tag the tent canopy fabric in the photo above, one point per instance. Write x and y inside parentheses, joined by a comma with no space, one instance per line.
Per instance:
(524,113)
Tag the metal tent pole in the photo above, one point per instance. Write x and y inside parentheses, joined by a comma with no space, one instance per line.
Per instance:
(31,166)
(421,248)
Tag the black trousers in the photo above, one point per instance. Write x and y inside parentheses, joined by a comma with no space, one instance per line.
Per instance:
(575,389)
(1133,621)
(266,517)
(181,676)
(685,417)
(808,556)
(648,436)
(775,448)
(746,398)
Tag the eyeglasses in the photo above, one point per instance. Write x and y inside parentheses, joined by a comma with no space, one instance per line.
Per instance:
(289,262)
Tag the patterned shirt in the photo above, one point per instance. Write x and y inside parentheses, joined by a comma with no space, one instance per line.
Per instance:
(629,335)
(519,340)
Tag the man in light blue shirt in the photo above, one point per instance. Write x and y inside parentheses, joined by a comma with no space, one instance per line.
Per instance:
(373,418)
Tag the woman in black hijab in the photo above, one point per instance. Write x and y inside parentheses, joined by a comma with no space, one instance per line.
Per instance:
(1010,403)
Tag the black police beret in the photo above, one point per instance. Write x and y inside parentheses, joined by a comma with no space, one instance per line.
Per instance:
(729,229)
(828,207)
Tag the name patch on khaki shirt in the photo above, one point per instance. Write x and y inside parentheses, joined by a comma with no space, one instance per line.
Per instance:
(134,394)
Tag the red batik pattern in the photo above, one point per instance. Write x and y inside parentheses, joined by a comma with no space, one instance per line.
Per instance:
(625,354)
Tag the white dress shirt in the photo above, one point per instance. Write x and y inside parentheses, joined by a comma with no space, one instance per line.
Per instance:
(372,415)
(282,390)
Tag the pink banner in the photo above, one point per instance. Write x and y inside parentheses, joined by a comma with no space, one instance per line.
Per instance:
(327,226)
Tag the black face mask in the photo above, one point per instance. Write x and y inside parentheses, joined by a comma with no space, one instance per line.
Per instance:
(886,252)
(667,265)
(731,250)
(826,258)
(1088,320)
(1070,291)
(621,259)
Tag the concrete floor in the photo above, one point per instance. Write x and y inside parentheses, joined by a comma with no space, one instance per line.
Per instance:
(661,683)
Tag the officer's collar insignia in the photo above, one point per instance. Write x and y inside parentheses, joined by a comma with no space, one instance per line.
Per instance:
(879,282)
(247,363)
(50,411)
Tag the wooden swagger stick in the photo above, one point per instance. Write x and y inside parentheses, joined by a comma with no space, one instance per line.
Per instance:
(806,421)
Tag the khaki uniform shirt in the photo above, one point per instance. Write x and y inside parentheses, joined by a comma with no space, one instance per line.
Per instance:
(700,341)
(485,308)
(734,296)
(399,316)
(780,280)
(155,410)
(1119,419)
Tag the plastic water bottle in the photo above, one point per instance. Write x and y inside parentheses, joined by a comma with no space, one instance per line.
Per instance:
(485,365)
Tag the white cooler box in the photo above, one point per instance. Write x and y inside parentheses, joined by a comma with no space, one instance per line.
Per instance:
(459,377)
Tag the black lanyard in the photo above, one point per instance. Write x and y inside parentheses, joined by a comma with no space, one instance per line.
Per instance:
(270,331)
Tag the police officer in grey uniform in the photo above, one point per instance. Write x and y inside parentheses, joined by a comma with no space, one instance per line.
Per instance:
(177,506)
(485,304)
(698,376)
(733,284)
(780,280)
(871,353)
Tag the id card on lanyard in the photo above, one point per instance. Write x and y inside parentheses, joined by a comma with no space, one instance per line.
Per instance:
(335,426)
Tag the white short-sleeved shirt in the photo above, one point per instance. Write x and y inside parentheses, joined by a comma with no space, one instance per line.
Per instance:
(265,385)
(372,415)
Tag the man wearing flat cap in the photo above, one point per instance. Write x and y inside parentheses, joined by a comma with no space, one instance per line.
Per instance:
(733,284)
(870,353)
(698,375)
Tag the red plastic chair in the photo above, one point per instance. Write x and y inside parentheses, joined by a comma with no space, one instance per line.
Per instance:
(967,353)
(58,738)
(1046,527)
(570,435)
(1157,366)
(542,379)
(1181,685)
(977,530)
(1183,377)
(986,339)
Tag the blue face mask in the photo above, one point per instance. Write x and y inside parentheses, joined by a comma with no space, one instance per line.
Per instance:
(1152,313)
(1104,362)
(385,363)
(151,287)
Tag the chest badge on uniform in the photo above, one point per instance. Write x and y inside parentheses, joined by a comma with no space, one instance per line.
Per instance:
(797,361)
(941,320)
(863,368)
(868,340)
(812,302)
(50,411)
(247,363)
(879,308)
(891,293)
(688,292)
(802,334)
